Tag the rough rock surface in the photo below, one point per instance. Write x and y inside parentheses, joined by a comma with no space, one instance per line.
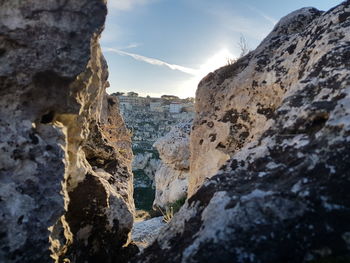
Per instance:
(171,178)
(145,232)
(284,112)
(231,114)
(147,163)
(65,180)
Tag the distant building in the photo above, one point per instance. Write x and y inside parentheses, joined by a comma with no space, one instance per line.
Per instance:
(132,101)
(155,106)
(125,105)
(175,107)
(165,104)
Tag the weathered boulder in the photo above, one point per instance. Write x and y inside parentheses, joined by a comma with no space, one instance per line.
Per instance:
(230,114)
(171,185)
(101,222)
(284,194)
(145,232)
(173,148)
(65,180)
(171,178)
(140,160)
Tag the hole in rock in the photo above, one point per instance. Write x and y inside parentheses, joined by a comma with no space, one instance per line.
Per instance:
(2,51)
(317,123)
(48,117)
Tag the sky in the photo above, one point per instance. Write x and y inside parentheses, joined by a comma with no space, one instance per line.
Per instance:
(158,47)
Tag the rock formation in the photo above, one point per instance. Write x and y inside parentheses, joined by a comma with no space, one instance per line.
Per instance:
(231,114)
(150,119)
(171,178)
(147,162)
(65,180)
(145,232)
(281,117)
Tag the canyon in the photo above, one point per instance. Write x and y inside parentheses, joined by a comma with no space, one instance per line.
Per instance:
(270,152)
(151,124)
(264,164)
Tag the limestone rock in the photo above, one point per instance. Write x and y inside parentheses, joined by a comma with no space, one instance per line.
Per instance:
(140,161)
(173,147)
(101,221)
(171,185)
(171,178)
(65,180)
(282,114)
(147,163)
(145,232)
(231,114)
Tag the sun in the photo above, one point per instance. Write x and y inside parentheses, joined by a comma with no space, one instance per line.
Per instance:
(219,59)
(216,61)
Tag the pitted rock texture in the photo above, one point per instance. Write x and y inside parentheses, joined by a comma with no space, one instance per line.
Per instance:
(65,180)
(145,232)
(284,194)
(173,147)
(171,178)
(235,104)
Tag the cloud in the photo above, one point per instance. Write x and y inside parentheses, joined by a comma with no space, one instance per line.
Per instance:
(124,5)
(187,87)
(153,61)
(131,45)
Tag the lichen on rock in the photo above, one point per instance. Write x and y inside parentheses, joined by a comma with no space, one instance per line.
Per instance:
(236,103)
(275,127)
(65,177)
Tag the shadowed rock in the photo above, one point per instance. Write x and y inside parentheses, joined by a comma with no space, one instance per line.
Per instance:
(65,180)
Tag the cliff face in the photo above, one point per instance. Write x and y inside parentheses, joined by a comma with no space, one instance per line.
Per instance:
(65,180)
(149,119)
(235,105)
(280,116)
(171,178)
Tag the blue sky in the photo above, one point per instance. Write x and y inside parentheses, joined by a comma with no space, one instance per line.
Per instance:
(157,47)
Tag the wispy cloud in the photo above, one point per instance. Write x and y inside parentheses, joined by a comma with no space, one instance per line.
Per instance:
(127,4)
(263,15)
(131,45)
(153,61)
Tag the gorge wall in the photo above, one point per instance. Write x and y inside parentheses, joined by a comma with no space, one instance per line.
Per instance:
(270,152)
(171,178)
(65,175)
(149,119)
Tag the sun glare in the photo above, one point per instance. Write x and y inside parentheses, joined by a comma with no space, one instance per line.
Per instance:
(188,88)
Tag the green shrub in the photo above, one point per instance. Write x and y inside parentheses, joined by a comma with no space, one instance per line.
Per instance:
(172,209)
(178,204)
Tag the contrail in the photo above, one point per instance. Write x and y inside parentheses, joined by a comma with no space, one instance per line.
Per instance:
(153,61)
(265,16)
